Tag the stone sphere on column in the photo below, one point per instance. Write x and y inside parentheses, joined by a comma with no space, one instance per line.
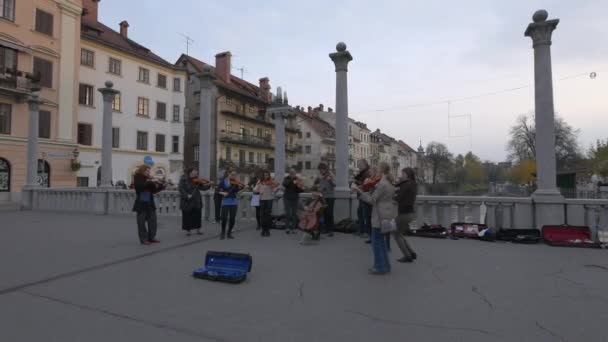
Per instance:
(540,15)
(109,84)
(341,47)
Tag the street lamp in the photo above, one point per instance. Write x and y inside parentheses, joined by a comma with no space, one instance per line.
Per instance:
(75,153)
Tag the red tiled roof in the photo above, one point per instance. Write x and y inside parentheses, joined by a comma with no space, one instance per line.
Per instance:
(322,127)
(236,84)
(100,33)
(405,146)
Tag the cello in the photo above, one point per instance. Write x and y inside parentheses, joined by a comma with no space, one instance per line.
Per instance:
(309,221)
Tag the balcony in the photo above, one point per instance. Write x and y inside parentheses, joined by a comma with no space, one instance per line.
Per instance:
(328,156)
(237,138)
(293,148)
(259,119)
(15,83)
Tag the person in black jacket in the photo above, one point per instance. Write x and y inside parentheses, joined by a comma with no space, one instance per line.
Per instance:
(407,190)
(217,198)
(191,201)
(145,188)
(293,187)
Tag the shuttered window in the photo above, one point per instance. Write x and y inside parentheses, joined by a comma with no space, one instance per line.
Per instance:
(7,9)
(160,143)
(142,141)
(115,137)
(161,111)
(143,106)
(115,66)
(85,95)
(162,81)
(87,58)
(44,22)
(44,124)
(5,118)
(45,68)
(85,134)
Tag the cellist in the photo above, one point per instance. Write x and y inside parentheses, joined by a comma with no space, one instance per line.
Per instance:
(266,187)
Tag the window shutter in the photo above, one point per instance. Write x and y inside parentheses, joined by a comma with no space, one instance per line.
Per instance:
(44,124)
(45,68)
(44,22)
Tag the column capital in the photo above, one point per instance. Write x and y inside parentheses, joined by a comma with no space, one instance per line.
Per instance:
(108,92)
(341,57)
(70,8)
(541,29)
(34,101)
(206,77)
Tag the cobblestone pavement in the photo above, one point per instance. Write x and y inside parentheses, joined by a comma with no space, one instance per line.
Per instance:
(86,278)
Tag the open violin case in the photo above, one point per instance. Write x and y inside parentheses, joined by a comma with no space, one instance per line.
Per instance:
(569,236)
(225,267)
(429,231)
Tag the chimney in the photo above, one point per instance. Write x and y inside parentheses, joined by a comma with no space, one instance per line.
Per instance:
(90,9)
(321,107)
(265,89)
(222,65)
(331,110)
(124,29)
(309,109)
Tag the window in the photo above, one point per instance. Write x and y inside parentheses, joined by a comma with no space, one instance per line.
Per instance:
(85,95)
(143,106)
(242,130)
(161,111)
(259,132)
(266,158)
(45,68)
(160,143)
(85,134)
(87,58)
(300,165)
(82,182)
(115,66)
(266,134)
(162,81)
(228,126)
(144,75)
(251,157)
(175,113)
(115,137)
(175,144)
(8,57)
(196,152)
(308,150)
(142,141)
(7,9)
(259,158)
(252,109)
(44,124)
(116,103)
(44,22)
(5,118)
(308,134)
(228,153)
(299,135)
(177,84)
(308,166)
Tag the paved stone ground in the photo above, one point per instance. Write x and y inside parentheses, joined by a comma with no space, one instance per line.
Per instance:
(85,278)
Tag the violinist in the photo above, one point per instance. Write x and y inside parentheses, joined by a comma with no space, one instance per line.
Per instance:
(364,210)
(191,202)
(229,189)
(255,197)
(266,187)
(293,186)
(145,188)
(326,184)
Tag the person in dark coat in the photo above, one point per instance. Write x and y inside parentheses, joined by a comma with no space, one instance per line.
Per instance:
(293,187)
(407,189)
(191,202)
(144,206)
(217,198)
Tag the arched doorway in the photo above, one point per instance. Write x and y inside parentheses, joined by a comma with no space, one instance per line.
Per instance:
(5,175)
(44,174)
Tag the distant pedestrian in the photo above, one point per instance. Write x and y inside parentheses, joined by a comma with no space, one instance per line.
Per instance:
(407,190)
(145,188)
(293,187)
(266,188)
(327,184)
(191,201)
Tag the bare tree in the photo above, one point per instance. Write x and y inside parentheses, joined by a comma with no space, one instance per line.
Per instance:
(438,158)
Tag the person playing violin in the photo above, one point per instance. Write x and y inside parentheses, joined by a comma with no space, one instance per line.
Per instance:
(191,202)
(326,184)
(266,187)
(145,188)
(229,189)
(293,187)
(364,210)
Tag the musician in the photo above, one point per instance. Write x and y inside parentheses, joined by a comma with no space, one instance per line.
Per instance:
(217,198)
(255,196)
(191,202)
(145,188)
(229,189)
(293,187)
(326,184)
(266,187)
(309,222)
(364,210)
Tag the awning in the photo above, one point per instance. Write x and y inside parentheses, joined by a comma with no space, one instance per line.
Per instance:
(15,46)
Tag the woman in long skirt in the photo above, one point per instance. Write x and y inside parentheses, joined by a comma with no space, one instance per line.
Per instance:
(191,202)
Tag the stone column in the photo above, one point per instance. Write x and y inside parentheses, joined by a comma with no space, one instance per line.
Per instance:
(540,31)
(204,137)
(32,141)
(548,202)
(341,59)
(108,94)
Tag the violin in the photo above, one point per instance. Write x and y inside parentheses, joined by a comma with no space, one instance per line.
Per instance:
(370,183)
(361,176)
(270,182)
(236,182)
(200,181)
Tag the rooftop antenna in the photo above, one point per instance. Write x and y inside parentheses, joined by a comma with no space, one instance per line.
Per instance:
(188,42)
(242,70)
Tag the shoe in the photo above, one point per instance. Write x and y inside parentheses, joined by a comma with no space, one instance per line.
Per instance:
(368,241)
(223,237)
(258,228)
(414,256)
(404,260)
(374,271)
(154,241)
(330,234)
(230,236)
(146,243)
(188,233)
(198,232)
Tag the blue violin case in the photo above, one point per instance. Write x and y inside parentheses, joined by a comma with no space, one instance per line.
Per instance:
(225,267)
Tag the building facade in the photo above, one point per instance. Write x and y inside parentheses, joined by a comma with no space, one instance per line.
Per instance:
(317,138)
(148,111)
(38,49)
(243,134)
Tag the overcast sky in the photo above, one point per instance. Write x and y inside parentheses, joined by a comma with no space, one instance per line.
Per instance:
(405,53)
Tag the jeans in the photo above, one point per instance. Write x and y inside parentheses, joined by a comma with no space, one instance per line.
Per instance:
(217,201)
(364,214)
(328,215)
(291,213)
(146,217)
(228,212)
(381,263)
(266,215)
